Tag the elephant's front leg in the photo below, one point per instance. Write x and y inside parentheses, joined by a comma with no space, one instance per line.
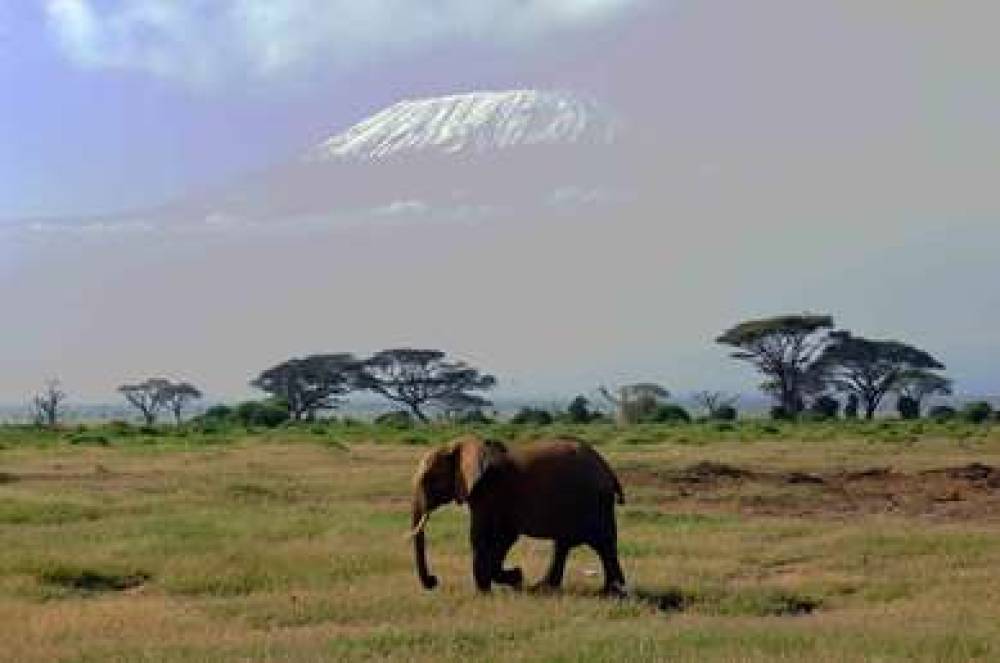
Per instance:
(490,545)
(512,577)
(482,539)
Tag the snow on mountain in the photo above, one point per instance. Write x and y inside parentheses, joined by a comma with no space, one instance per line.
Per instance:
(476,123)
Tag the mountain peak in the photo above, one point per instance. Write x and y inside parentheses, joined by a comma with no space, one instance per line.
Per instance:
(473,123)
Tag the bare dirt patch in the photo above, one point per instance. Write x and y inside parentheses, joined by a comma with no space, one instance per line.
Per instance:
(968,492)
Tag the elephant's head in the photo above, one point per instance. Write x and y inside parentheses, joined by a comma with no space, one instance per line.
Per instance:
(445,475)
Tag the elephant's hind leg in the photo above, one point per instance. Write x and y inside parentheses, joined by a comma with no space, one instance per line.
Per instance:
(614,579)
(554,576)
(605,544)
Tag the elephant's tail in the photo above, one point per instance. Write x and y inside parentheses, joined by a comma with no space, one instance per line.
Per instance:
(619,493)
(616,485)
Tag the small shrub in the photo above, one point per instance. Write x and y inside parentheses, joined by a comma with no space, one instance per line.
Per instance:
(942,413)
(267,414)
(725,413)
(978,412)
(210,426)
(532,415)
(779,413)
(89,437)
(218,412)
(579,411)
(119,427)
(472,417)
(825,408)
(668,413)
(398,419)
(908,408)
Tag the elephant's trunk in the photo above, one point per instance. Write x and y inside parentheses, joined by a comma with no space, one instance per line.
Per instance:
(420,515)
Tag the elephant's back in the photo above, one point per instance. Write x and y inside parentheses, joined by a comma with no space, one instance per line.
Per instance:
(563,483)
(565,457)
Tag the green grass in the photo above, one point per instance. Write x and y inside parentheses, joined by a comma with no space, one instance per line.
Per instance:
(288,545)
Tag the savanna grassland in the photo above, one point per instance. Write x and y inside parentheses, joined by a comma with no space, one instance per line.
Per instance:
(746,542)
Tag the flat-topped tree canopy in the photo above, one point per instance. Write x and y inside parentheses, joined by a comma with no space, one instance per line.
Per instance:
(752,331)
(421,377)
(148,397)
(919,383)
(310,384)
(783,348)
(871,368)
(177,395)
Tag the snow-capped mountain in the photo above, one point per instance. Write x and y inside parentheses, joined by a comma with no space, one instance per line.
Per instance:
(482,149)
(478,123)
(520,150)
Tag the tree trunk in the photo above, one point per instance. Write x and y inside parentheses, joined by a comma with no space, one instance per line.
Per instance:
(415,409)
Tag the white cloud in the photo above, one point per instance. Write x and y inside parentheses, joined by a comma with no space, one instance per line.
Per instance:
(402,208)
(95,228)
(202,41)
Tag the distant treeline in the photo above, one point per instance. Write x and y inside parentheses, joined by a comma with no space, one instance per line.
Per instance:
(810,370)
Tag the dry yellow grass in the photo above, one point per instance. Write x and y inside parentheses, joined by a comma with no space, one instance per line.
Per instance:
(285,550)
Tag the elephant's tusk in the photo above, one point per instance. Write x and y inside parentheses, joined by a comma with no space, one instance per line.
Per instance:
(419,527)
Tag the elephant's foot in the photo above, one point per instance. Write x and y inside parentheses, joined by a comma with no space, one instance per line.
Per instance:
(545,586)
(513,578)
(615,590)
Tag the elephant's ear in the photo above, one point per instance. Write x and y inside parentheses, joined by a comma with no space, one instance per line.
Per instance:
(474,458)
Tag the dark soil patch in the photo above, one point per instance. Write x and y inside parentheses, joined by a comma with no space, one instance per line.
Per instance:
(969,492)
(804,478)
(974,472)
(91,581)
(706,472)
(671,600)
(790,605)
(765,603)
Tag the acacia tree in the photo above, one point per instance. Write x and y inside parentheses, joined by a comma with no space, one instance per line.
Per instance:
(47,405)
(177,396)
(918,384)
(714,401)
(634,401)
(869,368)
(462,404)
(148,397)
(311,384)
(784,349)
(418,378)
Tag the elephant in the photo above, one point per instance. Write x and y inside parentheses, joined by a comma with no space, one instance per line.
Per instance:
(559,489)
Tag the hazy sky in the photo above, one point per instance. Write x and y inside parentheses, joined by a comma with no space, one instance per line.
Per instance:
(831,156)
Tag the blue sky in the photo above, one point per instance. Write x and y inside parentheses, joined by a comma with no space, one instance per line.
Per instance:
(116,103)
(837,156)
